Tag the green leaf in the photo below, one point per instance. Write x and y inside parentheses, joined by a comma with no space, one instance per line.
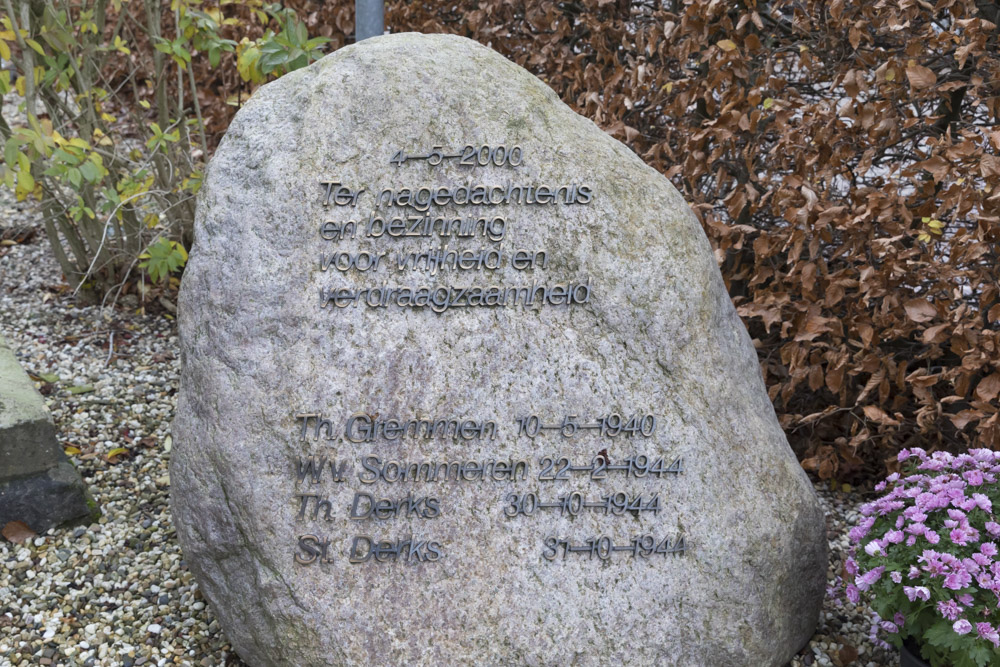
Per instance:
(35,46)
(941,635)
(25,181)
(182,53)
(315,42)
(81,389)
(162,258)
(271,61)
(75,177)
(62,155)
(50,378)
(91,172)
(300,32)
(10,151)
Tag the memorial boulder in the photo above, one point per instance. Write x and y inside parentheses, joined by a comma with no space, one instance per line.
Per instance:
(462,384)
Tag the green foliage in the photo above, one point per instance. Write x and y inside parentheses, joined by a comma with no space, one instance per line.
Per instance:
(275,54)
(197,31)
(163,258)
(115,140)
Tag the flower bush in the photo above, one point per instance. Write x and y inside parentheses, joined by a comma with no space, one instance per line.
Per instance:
(925,556)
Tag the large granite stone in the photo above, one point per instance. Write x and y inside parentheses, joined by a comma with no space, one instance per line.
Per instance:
(38,484)
(655,334)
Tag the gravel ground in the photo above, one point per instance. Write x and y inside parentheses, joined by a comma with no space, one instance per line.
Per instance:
(117,592)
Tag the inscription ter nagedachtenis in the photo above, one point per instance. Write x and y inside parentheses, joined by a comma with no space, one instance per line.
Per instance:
(471,358)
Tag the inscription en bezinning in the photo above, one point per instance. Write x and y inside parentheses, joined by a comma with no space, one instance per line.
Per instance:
(392,216)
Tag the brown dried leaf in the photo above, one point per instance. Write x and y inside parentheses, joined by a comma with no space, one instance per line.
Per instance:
(988,388)
(937,166)
(866,332)
(920,76)
(854,37)
(920,310)
(879,416)
(870,386)
(847,654)
(18,532)
(936,333)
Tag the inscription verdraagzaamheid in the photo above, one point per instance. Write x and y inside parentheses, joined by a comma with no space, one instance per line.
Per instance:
(561,447)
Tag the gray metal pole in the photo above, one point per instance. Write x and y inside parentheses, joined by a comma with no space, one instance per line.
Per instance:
(369,19)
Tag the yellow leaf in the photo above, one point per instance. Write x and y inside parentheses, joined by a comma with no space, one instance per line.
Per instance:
(19,86)
(668,87)
(803,48)
(70,451)
(116,452)
(36,46)
(108,117)
(924,236)
(768,103)
(144,104)
(935,224)
(4,50)
(727,45)
(25,181)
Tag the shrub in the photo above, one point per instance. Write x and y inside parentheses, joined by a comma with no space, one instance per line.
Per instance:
(116,140)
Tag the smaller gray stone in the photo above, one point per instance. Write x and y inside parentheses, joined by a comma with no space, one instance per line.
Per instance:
(47,499)
(27,435)
(79,532)
(38,484)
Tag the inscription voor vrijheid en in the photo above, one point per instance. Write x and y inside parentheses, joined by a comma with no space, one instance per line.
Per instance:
(415,217)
